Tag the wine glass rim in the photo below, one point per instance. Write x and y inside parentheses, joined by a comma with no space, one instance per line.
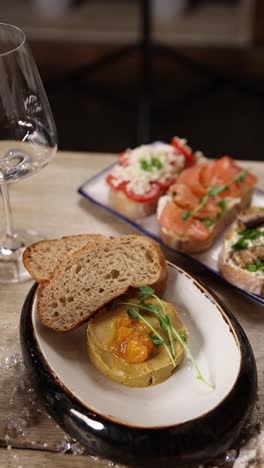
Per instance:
(22,42)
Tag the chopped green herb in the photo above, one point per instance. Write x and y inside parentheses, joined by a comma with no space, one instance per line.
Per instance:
(150,165)
(240,244)
(145,165)
(156,162)
(216,190)
(246,234)
(251,233)
(208,222)
(223,206)
(255,266)
(185,215)
(259,263)
(240,177)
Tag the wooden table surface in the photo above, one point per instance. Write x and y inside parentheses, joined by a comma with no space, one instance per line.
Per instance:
(49,202)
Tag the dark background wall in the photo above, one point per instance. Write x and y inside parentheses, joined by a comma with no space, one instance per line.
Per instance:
(216,101)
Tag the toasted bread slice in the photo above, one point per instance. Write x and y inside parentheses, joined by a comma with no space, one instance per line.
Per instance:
(142,175)
(91,278)
(237,265)
(40,259)
(130,208)
(187,245)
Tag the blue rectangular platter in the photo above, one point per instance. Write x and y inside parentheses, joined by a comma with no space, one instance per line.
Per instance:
(95,189)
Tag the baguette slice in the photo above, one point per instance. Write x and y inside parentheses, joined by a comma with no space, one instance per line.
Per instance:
(91,278)
(164,163)
(229,265)
(188,245)
(41,258)
(130,208)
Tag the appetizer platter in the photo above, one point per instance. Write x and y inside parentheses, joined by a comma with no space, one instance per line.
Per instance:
(125,360)
(187,202)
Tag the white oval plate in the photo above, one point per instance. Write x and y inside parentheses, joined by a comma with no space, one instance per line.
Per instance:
(216,341)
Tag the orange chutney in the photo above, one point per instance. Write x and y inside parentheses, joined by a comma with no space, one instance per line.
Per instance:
(131,340)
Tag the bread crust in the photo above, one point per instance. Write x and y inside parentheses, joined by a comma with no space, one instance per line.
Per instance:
(41,258)
(241,278)
(128,207)
(195,246)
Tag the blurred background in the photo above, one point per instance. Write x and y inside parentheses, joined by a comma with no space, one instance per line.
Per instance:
(124,72)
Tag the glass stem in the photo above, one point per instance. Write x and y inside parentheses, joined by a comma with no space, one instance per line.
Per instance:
(11,244)
(7,212)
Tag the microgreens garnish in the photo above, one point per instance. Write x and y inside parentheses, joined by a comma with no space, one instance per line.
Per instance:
(183,337)
(133,313)
(146,291)
(157,341)
(161,314)
(212,192)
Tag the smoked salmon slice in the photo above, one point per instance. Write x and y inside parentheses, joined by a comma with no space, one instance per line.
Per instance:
(192,175)
(185,196)
(171,220)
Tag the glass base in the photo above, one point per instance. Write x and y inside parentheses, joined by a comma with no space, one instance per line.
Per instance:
(12,269)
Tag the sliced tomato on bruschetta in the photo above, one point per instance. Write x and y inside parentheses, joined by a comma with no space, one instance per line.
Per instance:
(149,196)
(181,145)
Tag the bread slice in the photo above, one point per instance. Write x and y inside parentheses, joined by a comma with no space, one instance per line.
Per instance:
(91,278)
(40,259)
(187,245)
(232,264)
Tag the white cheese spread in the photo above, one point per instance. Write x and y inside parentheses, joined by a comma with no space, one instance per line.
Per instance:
(162,203)
(147,164)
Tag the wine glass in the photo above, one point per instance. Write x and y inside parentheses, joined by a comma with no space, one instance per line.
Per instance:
(27,138)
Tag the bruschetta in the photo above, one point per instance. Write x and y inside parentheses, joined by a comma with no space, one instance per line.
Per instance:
(144,174)
(204,199)
(241,260)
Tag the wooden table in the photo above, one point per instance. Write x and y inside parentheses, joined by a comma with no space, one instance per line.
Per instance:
(49,202)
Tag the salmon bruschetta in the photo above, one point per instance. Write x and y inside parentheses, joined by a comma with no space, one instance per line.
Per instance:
(204,199)
(145,173)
